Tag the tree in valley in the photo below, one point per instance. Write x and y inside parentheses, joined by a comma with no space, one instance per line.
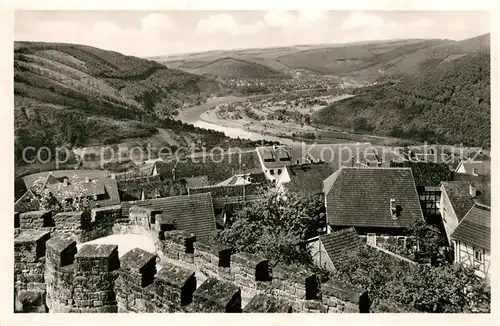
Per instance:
(275,226)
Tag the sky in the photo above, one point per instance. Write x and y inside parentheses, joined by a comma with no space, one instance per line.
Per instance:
(145,33)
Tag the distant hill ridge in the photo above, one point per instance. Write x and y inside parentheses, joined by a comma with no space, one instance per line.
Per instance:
(448,104)
(368,60)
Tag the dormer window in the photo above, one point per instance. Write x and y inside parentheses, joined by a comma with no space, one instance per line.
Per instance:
(395,209)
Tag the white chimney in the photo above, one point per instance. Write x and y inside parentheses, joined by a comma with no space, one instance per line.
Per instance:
(65,182)
(113,176)
(87,179)
(472,190)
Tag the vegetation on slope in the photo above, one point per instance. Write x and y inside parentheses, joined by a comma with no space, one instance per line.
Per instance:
(450,104)
(75,95)
(236,68)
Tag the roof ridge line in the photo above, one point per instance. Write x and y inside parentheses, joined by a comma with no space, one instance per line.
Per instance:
(177,196)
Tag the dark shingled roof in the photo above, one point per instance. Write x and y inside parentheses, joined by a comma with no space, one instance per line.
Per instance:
(338,244)
(192,213)
(137,258)
(308,178)
(475,227)
(460,197)
(361,197)
(27,202)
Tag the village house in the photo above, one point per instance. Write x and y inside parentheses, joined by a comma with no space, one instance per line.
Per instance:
(472,240)
(457,198)
(305,178)
(274,159)
(139,187)
(328,248)
(193,213)
(474,167)
(66,185)
(375,201)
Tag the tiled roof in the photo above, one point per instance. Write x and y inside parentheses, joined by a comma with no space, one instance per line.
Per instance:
(460,197)
(475,227)
(96,174)
(361,197)
(111,191)
(27,202)
(308,178)
(61,192)
(192,213)
(338,244)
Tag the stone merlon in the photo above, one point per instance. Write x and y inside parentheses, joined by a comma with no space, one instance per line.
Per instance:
(61,250)
(174,276)
(264,303)
(218,296)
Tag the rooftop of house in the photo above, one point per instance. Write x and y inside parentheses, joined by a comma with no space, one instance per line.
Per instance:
(475,167)
(192,213)
(337,244)
(362,197)
(62,189)
(306,178)
(458,192)
(29,180)
(27,202)
(475,227)
(280,156)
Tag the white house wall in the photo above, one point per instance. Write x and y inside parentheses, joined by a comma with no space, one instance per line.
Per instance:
(464,254)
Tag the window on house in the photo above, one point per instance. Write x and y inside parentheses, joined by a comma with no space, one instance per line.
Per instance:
(271,171)
(478,255)
(279,171)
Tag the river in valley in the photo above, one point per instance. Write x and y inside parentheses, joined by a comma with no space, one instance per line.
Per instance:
(192,115)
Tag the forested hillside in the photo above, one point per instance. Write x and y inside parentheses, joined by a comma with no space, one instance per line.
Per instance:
(449,104)
(237,68)
(78,95)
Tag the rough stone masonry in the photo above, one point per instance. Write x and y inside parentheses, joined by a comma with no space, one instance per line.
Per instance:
(51,275)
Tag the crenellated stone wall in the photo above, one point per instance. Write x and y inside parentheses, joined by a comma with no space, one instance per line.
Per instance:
(93,278)
(29,268)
